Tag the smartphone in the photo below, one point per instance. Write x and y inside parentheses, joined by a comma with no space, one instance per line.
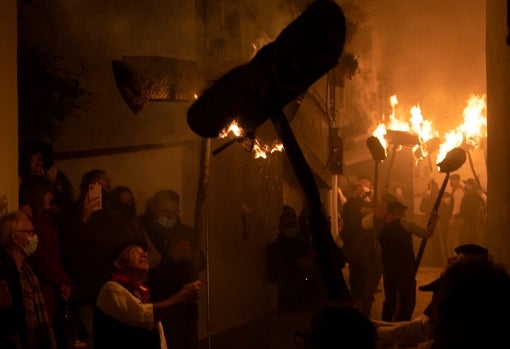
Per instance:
(96,194)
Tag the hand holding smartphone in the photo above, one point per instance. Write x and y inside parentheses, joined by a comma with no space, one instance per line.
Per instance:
(95,195)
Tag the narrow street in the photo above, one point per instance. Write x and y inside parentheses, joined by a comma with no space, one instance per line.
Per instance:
(277,331)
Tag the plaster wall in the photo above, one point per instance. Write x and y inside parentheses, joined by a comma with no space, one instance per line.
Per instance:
(9,102)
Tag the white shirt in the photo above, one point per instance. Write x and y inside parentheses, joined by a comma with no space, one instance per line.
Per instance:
(116,301)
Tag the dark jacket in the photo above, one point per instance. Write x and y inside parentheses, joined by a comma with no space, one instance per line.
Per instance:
(298,288)
(110,333)
(11,320)
(396,245)
(87,248)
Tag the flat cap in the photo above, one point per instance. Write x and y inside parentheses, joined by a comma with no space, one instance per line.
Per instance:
(124,245)
(471,249)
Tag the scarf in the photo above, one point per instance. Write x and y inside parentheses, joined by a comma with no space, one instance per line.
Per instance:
(38,330)
(140,291)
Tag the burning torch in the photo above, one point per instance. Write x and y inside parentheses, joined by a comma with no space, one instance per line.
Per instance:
(453,160)
(251,93)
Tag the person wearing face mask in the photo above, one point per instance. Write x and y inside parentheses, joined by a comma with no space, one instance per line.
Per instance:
(292,265)
(24,322)
(35,199)
(181,261)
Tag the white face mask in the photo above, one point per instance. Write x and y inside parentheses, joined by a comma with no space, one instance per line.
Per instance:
(167,223)
(31,247)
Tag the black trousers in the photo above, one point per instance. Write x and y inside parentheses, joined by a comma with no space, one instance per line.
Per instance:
(399,288)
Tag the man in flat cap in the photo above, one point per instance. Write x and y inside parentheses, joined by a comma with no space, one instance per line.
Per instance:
(124,316)
(399,262)
(418,330)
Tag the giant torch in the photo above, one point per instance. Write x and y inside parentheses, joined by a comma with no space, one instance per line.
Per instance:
(252,93)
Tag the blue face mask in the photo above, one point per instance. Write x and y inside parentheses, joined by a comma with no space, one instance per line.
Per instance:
(167,223)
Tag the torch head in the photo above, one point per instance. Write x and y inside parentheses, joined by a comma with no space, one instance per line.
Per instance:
(376,149)
(280,71)
(453,160)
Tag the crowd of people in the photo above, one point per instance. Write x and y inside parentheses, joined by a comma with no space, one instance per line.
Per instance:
(96,271)
(462,212)
(377,240)
(72,272)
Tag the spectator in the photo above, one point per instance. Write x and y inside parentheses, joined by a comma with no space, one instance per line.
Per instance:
(24,322)
(123,200)
(181,261)
(411,333)
(292,265)
(34,155)
(36,158)
(125,316)
(473,307)
(93,230)
(35,200)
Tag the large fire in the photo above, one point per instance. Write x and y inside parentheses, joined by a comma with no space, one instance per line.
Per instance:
(469,134)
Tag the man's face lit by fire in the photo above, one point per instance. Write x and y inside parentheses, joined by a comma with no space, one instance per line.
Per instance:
(133,259)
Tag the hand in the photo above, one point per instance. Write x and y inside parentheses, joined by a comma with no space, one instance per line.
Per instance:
(191,291)
(89,206)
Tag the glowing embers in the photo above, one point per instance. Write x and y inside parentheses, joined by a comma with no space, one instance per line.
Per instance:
(248,141)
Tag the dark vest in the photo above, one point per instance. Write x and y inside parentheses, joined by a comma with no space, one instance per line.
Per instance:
(110,333)
(396,244)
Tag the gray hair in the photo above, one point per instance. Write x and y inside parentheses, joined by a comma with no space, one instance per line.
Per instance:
(8,225)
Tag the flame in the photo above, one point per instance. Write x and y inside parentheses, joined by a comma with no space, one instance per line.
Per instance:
(471,132)
(394,123)
(380,132)
(258,149)
(453,139)
(261,150)
(416,125)
(233,128)
(474,127)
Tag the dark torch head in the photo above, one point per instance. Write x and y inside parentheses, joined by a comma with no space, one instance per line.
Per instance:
(282,70)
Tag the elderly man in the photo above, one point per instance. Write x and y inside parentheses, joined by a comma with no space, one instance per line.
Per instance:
(23,318)
(124,316)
